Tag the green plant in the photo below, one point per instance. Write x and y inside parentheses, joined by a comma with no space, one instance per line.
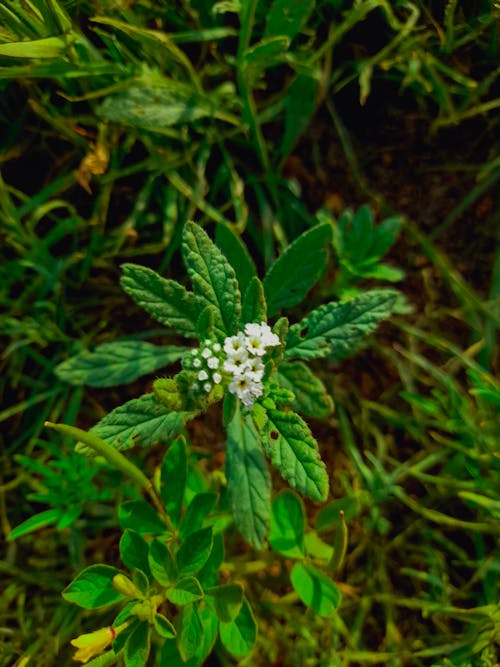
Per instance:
(262,379)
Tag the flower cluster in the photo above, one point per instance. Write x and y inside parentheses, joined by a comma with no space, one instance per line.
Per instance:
(206,363)
(244,353)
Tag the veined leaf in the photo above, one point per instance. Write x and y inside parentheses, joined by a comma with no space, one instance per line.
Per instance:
(116,363)
(185,591)
(138,646)
(140,516)
(161,563)
(134,552)
(288,525)
(189,632)
(254,307)
(226,601)
(293,450)
(165,300)
(93,588)
(237,254)
(155,108)
(335,329)
(141,421)
(248,480)
(294,273)
(311,397)
(194,551)
(213,278)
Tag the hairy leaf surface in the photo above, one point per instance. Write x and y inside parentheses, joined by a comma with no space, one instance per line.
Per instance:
(292,449)
(165,300)
(116,363)
(248,480)
(213,278)
(294,273)
(311,396)
(335,329)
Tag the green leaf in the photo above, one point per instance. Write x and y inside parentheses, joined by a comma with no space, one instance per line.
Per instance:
(141,517)
(47,47)
(142,421)
(161,563)
(173,479)
(163,626)
(105,660)
(335,329)
(205,324)
(262,55)
(194,551)
(287,18)
(116,363)
(237,255)
(225,601)
(315,589)
(329,516)
(155,108)
(300,103)
(248,481)
(213,278)
(254,307)
(238,636)
(189,632)
(170,657)
(287,525)
(198,510)
(311,396)
(293,450)
(208,573)
(293,274)
(138,646)
(40,520)
(134,552)
(185,591)
(165,300)
(93,588)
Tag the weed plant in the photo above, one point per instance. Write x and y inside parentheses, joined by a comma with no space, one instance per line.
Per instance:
(121,123)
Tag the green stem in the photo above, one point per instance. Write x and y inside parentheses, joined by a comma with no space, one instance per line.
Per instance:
(115,459)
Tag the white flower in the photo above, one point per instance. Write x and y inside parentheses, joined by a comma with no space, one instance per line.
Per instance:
(235,361)
(195,387)
(206,352)
(255,345)
(255,369)
(194,351)
(253,329)
(216,347)
(233,344)
(197,362)
(270,339)
(217,378)
(246,390)
(202,376)
(207,387)
(213,363)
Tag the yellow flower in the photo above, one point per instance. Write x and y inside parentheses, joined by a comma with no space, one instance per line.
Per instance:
(93,643)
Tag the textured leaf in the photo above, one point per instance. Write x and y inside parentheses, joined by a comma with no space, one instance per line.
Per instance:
(287,18)
(141,421)
(134,552)
(248,480)
(185,591)
(194,551)
(335,329)
(237,254)
(293,450)
(93,588)
(293,274)
(315,589)
(238,636)
(311,397)
(198,510)
(173,479)
(154,108)
(287,525)
(254,307)
(116,363)
(189,632)
(138,646)
(213,278)
(161,563)
(163,626)
(165,300)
